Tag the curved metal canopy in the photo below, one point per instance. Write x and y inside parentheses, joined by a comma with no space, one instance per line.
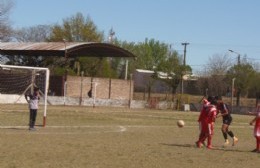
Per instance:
(68,49)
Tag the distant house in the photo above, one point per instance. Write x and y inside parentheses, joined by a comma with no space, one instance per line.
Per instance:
(144,81)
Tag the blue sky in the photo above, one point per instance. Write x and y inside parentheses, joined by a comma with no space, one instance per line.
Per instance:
(211,27)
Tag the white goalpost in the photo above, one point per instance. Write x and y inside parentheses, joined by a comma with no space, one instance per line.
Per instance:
(16,81)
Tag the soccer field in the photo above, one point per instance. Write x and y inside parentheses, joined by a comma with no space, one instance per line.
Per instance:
(85,137)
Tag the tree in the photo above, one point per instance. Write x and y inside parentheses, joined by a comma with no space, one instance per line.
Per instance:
(172,65)
(150,54)
(39,33)
(244,75)
(119,64)
(255,87)
(78,29)
(214,78)
(5,28)
(158,57)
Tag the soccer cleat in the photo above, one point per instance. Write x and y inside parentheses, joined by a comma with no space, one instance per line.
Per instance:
(235,140)
(226,143)
(198,144)
(209,147)
(32,129)
(256,151)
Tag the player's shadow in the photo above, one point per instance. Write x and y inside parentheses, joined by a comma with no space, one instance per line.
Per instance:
(215,148)
(14,128)
(179,145)
(18,127)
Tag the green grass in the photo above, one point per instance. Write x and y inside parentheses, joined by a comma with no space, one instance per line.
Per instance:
(85,137)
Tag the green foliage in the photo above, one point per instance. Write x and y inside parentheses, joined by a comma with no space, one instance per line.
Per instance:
(255,87)
(61,71)
(156,56)
(150,54)
(172,66)
(244,74)
(79,29)
(76,28)
(119,63)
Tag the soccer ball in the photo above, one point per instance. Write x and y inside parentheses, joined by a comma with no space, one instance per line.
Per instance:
(180,123)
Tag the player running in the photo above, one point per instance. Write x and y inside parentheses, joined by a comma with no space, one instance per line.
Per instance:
(224,112)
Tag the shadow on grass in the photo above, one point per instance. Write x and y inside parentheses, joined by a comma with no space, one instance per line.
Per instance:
(14,128)
(215,147)
(18,127)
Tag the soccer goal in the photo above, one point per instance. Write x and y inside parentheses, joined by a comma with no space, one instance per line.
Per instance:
(16,81)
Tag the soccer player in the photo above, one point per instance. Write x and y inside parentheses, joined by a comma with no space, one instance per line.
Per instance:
(212,114)
(256,120)
(202,122)
(224,112)
(33,100)
(206,121)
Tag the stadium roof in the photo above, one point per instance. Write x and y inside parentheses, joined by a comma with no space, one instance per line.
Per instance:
(70,49)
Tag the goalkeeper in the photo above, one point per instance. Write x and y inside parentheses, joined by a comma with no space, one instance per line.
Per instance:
(33,100)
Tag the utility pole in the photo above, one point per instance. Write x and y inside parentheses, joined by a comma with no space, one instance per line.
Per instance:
(184,57)
(233,80)
(184,64)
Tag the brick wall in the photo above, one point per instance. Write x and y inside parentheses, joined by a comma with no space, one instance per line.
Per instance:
(105,88)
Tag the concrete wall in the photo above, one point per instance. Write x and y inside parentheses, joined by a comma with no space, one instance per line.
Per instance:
(57,100)
(9,99)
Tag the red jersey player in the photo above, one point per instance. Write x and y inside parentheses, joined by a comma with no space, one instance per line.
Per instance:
(256,120)
(202,122)
(206,121)
(211,120)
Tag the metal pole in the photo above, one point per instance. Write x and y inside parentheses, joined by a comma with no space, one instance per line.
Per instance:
(130,90)
(126,68)
(232,90)
(64,93)
(181,84)
(95,94)
(65,48)
(47,78)
(81,88)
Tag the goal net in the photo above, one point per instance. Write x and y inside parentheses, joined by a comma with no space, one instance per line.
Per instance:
(16,81)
